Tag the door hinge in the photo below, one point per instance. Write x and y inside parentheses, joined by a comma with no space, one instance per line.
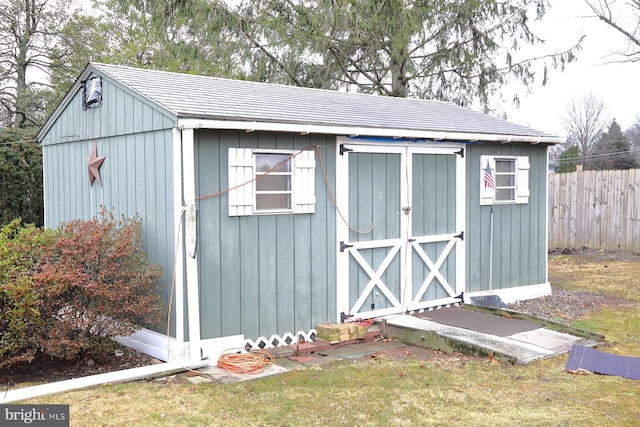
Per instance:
(459,236)
(460,153)
(406,210)
(344,149)
(344,317)
(344,246)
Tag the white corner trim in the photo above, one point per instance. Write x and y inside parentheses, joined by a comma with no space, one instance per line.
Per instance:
(191,262)
(178,301)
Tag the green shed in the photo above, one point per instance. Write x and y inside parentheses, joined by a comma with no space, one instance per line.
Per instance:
(274,208)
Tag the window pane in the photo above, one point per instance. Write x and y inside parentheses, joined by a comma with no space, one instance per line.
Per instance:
(273,183)
(505,180)
(273,201)
(505,194)
(505,166)
(265,162)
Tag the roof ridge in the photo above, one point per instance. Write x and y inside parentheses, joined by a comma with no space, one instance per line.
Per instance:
(281,85)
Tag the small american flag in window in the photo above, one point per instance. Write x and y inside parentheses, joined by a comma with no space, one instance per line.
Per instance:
(488,177)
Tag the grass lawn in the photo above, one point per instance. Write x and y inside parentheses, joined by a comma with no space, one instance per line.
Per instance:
(385,392)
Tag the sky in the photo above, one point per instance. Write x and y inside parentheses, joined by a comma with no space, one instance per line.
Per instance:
(618,85)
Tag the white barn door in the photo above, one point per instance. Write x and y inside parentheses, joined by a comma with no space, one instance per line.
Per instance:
(402,247)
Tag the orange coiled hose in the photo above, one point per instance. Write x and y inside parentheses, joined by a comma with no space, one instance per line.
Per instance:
(254,361)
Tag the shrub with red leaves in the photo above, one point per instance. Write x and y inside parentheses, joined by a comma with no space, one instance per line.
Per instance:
(87,282)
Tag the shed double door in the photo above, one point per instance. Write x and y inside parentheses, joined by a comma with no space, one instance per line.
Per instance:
(401,237)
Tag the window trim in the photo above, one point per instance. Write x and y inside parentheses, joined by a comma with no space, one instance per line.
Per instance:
(242,175)
(257,174)
(521,177)
(513,187)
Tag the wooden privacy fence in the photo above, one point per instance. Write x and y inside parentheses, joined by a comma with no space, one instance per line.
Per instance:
(596,209)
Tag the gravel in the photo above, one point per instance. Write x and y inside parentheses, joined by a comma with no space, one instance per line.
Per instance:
(565,306)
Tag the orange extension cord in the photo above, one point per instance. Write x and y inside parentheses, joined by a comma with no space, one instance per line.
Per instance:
(248,363)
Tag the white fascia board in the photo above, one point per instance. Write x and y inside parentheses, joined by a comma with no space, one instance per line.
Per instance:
(361,131)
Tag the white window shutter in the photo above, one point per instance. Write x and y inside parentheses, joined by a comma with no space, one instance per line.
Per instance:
(487,192)
(522,179)
(304,182)
(240,172)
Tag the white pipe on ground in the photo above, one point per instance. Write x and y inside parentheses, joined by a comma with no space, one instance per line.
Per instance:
(125,375)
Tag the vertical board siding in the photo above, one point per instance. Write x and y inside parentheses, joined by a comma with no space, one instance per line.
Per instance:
(596,209)
(519,245)
(262,275)
(137,180)
(120,114)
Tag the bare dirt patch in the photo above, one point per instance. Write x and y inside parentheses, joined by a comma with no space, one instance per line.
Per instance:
(418,353)
(597,255)
(45,369)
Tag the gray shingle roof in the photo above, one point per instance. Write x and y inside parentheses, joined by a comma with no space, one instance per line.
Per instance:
(192,96)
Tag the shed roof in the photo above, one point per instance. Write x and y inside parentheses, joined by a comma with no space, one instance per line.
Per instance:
(190,96)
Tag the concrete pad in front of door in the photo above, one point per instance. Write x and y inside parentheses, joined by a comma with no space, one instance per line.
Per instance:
(522,347)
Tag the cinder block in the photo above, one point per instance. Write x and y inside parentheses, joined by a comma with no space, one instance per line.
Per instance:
(341,332)
(329,332)
(363,332)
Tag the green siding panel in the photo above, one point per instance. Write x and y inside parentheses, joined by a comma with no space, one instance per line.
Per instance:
(519,230)
(264,274)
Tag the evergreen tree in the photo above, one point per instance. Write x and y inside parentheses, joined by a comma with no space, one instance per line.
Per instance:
(569,159)
(460,51)
(20,177)
(612,151)
(633,134)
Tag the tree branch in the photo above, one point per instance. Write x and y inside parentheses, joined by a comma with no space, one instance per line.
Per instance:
(264,50)
(607,17)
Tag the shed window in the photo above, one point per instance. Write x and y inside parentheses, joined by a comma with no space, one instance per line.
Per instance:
(271,182)
(504,179)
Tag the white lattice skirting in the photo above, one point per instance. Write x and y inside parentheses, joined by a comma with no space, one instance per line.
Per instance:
(281,341)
